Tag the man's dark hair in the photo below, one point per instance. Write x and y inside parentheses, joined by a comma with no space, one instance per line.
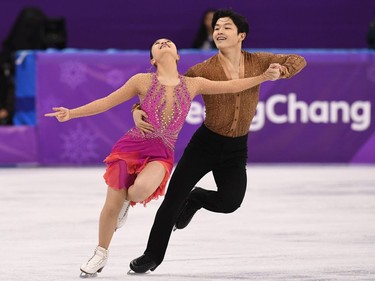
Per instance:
(239,21)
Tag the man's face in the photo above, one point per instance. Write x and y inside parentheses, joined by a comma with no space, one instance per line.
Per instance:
(226,33)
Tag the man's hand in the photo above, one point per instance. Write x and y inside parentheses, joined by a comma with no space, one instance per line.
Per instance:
(273,72)
(139,116)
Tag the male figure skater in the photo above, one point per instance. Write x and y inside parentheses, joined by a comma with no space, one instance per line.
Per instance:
(220,144)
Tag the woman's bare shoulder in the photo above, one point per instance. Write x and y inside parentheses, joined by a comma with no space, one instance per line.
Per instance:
(142,76)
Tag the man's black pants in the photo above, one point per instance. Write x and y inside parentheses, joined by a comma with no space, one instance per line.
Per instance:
(207,151)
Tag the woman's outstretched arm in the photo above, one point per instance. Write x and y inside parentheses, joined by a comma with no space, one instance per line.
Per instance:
(124,93)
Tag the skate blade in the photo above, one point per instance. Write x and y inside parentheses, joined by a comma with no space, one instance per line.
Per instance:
(88,275)
(131,272)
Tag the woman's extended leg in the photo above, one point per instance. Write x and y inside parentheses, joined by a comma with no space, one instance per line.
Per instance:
(148,180)
(108,217)
(107,223)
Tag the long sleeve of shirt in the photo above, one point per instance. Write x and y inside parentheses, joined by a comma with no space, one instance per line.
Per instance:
(231,114)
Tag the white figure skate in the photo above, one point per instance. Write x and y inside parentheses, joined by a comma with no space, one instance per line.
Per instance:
(95,264)
(123,215)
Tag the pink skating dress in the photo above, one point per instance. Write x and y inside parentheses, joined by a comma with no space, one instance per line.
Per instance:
(133,151)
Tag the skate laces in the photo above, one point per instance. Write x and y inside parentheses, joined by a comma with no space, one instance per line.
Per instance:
(123,215)
(99,256)
(124,211)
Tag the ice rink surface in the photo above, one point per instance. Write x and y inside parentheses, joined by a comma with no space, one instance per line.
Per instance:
(299,222)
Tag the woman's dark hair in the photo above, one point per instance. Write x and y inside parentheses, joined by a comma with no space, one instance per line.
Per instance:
(202,33)
(239,21)
(151,55)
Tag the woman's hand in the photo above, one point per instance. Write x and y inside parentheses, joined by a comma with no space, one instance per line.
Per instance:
(139,116)
(61,113)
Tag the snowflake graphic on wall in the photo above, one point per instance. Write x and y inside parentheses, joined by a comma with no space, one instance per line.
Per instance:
(79,145)
(73,73)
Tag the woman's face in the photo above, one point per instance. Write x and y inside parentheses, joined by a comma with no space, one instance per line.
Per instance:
(162,46)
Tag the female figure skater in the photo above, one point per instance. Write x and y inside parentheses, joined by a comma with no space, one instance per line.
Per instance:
(139,164)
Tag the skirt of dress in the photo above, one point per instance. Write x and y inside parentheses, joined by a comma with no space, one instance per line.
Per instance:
(130,155)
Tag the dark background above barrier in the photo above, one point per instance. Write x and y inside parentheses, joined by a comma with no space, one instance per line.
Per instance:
(133,24)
